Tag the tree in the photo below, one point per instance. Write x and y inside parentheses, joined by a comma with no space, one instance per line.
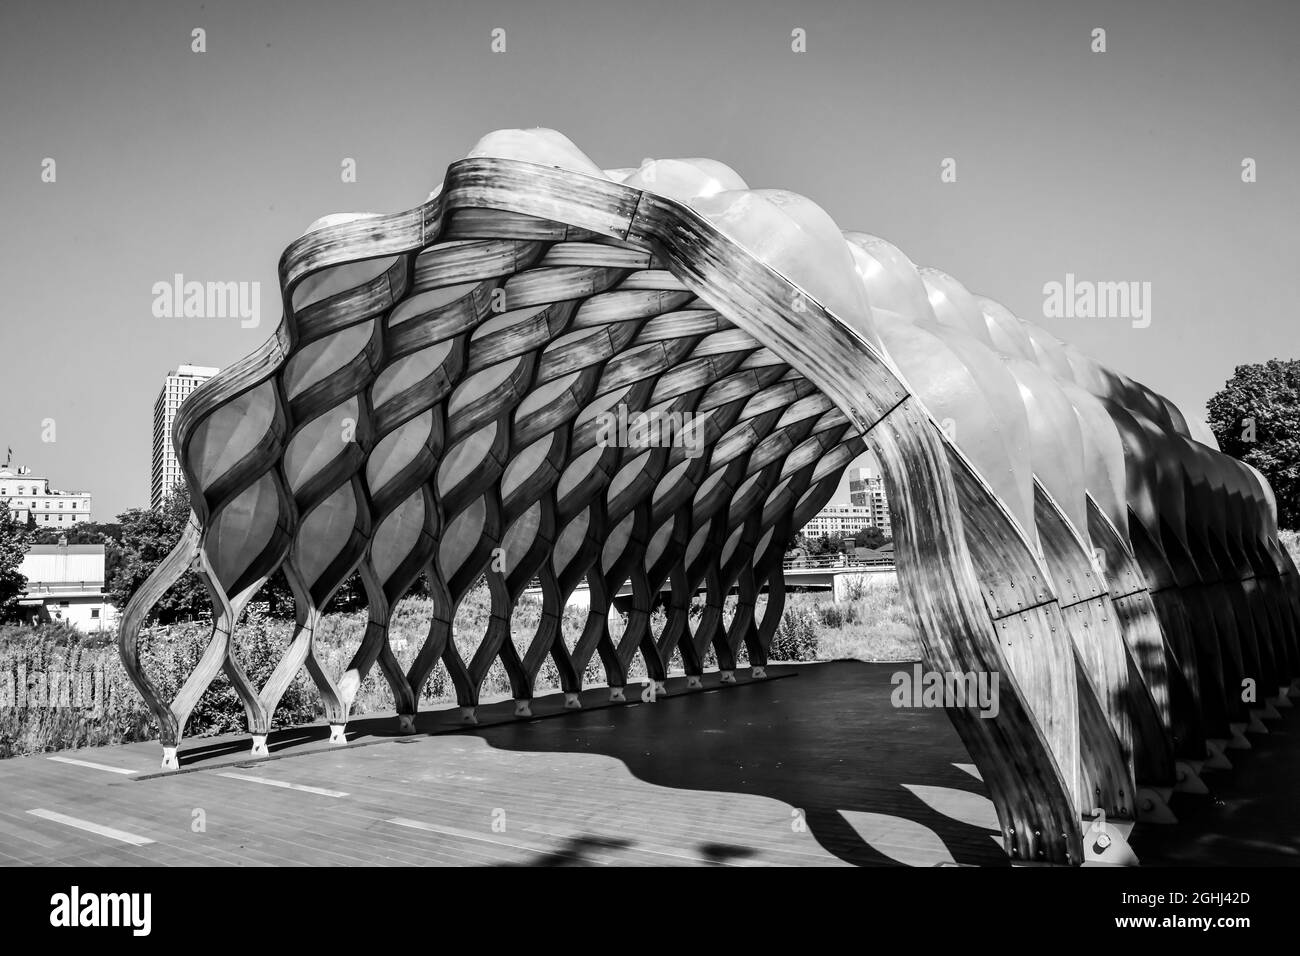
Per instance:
(1256,418)
(141,538)
(15,540)
(148,536)
(870,537)
(85,532)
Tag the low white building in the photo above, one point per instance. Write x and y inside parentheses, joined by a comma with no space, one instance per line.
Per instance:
(27,494)
(65,582)
(838,521)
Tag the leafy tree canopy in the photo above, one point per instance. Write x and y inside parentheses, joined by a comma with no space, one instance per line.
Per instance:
(15,540)
(85,532)
(147,537)
(1256,418)
(870,537)
(867,537)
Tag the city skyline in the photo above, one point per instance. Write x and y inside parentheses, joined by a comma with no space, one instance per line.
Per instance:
(172,164)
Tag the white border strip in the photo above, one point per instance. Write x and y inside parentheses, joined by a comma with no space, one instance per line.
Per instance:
(92,766)
(89,827)
(281,783)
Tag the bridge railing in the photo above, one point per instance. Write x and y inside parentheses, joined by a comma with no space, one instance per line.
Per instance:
(825,561)
(821,562)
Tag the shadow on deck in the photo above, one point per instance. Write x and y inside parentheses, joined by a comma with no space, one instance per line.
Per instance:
(811,766)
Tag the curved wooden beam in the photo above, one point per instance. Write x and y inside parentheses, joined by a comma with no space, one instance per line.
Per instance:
(450,393)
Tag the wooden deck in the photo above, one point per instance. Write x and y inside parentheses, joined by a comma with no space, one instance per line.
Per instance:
(811,767)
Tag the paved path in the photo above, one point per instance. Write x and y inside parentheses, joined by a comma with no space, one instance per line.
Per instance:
(813,766)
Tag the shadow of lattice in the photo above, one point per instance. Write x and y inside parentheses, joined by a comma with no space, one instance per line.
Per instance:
(828,744)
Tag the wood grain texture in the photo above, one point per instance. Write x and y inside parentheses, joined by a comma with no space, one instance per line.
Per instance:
(451,389)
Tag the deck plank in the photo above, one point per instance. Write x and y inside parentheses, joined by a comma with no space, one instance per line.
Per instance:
(704,779)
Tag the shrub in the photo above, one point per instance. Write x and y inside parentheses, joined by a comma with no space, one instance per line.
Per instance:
(795,638)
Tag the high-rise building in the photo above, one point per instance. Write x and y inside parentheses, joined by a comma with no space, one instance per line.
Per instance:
(27,494)
(867,490)
(166,473)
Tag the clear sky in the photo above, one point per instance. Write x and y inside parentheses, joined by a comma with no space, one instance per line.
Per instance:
(1115,166)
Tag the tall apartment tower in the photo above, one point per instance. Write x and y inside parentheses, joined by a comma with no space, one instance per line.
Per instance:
(867,490)
(166,473)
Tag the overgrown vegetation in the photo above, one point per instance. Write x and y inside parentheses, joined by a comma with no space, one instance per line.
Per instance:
(61,689)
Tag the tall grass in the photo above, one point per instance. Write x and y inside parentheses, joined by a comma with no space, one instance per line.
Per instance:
(60,689)
(870,625)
